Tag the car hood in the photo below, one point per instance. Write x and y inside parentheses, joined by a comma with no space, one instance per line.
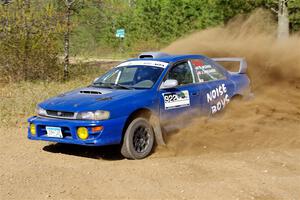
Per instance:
(84,99)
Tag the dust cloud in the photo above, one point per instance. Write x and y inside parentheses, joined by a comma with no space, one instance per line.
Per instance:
(272,118)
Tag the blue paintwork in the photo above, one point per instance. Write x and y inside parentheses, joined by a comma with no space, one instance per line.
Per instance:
(125,102)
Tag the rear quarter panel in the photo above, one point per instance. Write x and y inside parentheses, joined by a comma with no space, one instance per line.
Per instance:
(241,83)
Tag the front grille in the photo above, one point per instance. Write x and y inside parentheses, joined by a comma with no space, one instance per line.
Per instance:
(60,114)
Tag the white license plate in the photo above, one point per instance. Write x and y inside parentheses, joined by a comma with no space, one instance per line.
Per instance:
(54,132)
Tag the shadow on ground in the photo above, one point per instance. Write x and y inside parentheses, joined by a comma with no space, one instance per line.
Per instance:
(107,152)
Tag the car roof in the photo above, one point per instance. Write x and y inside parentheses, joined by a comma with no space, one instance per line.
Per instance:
(171,58)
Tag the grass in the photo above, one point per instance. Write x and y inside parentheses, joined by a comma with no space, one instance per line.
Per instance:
(18,100)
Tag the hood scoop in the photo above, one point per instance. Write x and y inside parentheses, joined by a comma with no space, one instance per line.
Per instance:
(90,92)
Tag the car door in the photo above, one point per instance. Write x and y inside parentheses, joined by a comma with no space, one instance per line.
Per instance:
(215,78)
(203,88)
(183,98)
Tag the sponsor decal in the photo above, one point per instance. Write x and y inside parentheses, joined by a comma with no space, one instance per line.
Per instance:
(197,63)
(206,69)
(144,63)
(218,98)
(176,99)
(204,72)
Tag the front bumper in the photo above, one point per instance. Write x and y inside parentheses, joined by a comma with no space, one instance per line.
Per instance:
(111,133)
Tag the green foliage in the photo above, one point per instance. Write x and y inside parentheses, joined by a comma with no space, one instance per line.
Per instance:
(148,23)
(294,11)
(31,39)
(151,24)
(28,42)
(167,20)
(231,8)
(85,33)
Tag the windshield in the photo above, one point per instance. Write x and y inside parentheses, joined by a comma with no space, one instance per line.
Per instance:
(143,77)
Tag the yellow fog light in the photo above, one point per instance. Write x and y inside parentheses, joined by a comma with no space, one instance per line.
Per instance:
(82,133)
(32,129)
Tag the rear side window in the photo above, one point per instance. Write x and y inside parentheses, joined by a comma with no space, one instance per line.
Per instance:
(206,71)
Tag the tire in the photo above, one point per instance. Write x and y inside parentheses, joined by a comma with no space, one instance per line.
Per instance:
(138,139)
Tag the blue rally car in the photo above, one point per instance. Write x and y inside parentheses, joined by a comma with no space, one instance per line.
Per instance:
(133,102)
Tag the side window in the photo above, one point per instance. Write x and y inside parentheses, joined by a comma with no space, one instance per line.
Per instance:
(205,71)
(182,73)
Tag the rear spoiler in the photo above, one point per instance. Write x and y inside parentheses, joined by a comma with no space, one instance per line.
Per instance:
(242,61)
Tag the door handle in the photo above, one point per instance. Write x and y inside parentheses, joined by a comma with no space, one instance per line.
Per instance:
(195,93)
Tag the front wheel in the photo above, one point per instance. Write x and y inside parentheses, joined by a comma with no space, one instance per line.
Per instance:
(138,139)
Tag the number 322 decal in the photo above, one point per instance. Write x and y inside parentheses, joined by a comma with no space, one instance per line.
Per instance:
(176,99)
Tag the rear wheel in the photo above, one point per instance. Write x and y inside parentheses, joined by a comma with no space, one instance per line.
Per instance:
(138,139)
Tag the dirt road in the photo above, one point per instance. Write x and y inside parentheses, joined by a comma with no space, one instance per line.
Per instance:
(35,170)
(252,154)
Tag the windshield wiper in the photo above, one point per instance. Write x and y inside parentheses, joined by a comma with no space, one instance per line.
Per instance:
(102,85)
(122,86)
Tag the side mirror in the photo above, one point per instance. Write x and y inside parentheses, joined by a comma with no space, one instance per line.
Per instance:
(170,83)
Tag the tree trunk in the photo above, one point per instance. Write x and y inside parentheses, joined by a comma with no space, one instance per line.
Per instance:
(67,41)
(283,20)
(26,8)
(5,20)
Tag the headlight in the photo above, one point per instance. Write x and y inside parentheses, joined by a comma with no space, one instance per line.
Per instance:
(93,115)
(41,111)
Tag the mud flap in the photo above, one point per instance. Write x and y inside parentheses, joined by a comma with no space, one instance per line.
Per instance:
(248,95)
(157,130)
